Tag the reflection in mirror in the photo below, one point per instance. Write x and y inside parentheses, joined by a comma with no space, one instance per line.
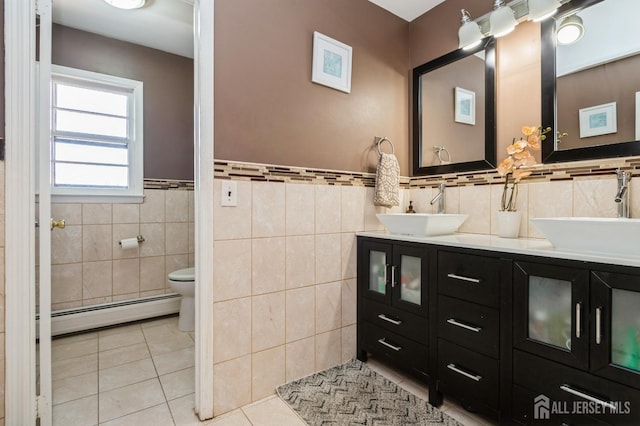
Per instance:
(454,112)
(594,80)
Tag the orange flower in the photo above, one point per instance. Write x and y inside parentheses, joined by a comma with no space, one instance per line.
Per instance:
(506,166)
(519,174)
(517,147)
(529,130)
(534,142)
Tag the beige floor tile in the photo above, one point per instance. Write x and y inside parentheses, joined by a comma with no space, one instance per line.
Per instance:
(80,412)
(74,366)
(74,349)
(118,356)
(126,374)
(174,361)
(178,383)
(57,341)
(76,387)
(113,339)
(129,399)
(163,339)
(183,410)
(172,321)
(234,418)
(154,416)
(271,412)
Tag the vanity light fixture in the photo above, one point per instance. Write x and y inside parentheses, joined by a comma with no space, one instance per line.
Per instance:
(571,30)
(126,4)
(502,20)
(540,10)
(469,33)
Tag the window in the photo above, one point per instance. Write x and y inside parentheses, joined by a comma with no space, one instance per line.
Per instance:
(97,134)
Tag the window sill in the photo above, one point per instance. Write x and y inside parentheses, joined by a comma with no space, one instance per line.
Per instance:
(87,199)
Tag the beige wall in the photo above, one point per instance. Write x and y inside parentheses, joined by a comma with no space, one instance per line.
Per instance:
(88,266)
(267,110)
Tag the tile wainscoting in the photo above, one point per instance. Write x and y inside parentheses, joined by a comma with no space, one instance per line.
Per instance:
(89,266)
(285,257)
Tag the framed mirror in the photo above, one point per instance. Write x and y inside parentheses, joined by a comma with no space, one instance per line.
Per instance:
(454,124)
(591,88)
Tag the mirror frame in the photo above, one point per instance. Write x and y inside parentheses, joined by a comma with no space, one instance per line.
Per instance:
(549,100)
(488,45)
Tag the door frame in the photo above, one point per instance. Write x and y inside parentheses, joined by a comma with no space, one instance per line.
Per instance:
(19,253)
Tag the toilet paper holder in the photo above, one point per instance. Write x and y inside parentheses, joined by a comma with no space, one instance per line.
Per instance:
(139,238)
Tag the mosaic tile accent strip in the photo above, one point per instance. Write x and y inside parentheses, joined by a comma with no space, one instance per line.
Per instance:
(166,184)
(287,174)
(541,173)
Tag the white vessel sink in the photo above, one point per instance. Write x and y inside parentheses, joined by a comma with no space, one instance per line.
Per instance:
(592,234)
(423,224)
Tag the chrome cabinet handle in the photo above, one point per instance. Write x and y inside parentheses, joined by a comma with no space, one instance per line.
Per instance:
(463,278)
(455,322)
(598,325)
(389,345)
(588,397)
(453,367)
(387,319)
(578,320)
(393,276)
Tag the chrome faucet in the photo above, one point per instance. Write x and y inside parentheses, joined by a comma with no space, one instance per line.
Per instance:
(622,196)
(440,198)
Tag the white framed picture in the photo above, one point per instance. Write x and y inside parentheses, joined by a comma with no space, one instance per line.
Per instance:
(638,116)
(598,120)
(331,63)
(465,101)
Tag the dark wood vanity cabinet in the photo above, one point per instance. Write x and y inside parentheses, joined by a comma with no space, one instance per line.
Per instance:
(516,337)
(576,342)
(468,329)
(393,303)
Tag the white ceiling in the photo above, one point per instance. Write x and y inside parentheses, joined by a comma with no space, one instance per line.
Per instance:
(161,24)
(407,9)
(168,24)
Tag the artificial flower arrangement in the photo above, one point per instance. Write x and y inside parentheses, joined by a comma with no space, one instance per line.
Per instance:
(511,167)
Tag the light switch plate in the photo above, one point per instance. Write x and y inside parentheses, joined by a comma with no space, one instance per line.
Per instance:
(229,194)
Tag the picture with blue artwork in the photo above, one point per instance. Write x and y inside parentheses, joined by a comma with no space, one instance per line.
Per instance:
(331,63)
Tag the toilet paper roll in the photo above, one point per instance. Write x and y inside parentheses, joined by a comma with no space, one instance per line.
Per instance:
(129,243)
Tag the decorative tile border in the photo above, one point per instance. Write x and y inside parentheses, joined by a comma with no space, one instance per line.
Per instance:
(286,174)
(541,173)
(166,184)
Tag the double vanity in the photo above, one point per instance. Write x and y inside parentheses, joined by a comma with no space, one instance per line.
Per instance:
(516,329)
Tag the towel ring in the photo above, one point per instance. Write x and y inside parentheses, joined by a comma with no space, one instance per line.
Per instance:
(438,150)
(384,139)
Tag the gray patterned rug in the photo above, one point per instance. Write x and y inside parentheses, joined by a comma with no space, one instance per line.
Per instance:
(354,394)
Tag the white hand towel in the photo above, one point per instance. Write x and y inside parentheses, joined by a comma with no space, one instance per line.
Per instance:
(387,181)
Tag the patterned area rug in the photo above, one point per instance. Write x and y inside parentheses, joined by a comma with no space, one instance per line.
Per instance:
(354,394)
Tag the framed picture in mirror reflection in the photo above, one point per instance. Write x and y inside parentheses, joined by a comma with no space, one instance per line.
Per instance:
(465,106)
(598,120)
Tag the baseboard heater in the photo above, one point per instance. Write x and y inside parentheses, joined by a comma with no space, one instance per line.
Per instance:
(85,318)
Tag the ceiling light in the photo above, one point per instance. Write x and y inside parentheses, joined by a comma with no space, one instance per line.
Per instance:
(571,30)
(469,33)
(540,10)
(126,4)
(502,20)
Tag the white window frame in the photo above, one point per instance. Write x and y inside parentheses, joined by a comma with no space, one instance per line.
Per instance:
(134,193)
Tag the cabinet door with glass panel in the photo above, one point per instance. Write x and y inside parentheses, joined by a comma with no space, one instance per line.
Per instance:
(551,308)
(396,275)
(615,334)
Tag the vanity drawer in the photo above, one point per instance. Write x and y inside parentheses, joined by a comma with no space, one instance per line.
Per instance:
(470,325)
(394,347)
(467,374)
(561,383)
(469,277)
(523,412)
(395,320)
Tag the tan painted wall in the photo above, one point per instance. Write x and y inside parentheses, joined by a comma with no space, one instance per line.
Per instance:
(267,110)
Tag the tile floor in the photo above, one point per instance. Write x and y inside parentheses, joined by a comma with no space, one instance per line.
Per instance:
(143,374)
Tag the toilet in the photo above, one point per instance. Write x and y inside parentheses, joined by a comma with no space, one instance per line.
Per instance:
(183,282)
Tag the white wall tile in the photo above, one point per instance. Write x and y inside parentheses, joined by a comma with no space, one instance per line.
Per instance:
(300,209)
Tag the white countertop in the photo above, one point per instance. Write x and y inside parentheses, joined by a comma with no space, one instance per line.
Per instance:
(526,246)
